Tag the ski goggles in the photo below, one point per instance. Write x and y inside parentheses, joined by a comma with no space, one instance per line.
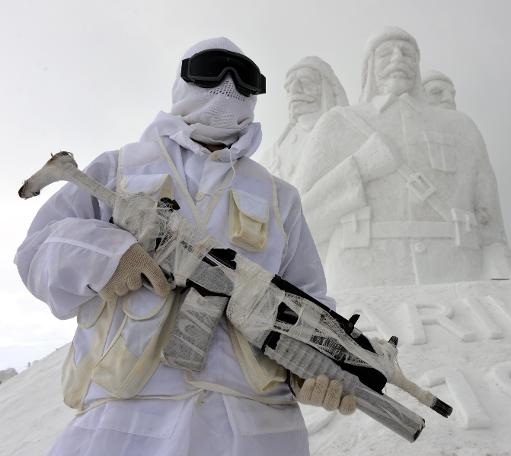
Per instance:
(208,69)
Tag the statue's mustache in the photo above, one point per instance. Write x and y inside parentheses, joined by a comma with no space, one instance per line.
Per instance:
(301,97)
(400,66)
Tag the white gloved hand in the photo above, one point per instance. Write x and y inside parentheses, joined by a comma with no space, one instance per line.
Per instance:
(326,393)
(128,276)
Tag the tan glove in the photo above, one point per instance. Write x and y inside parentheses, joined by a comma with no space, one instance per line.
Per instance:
(326,393)
(128,276)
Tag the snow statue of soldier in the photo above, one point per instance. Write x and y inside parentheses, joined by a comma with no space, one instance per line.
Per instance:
(439,89)
(312,89)
(403,192)
(82,265)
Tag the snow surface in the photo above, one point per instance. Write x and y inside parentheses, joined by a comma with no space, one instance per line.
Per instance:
(454,338)
(7,374)
(31,409)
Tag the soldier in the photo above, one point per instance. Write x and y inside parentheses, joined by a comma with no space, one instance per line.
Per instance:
(439,89)
(82,265)
(403,191)
(312,89)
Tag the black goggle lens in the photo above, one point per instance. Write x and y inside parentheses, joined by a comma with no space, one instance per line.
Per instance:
(208,69)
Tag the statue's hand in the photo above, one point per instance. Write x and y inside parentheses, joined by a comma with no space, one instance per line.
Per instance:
(375,158)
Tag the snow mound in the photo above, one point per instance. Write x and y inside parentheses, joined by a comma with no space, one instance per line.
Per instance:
(7,374)
(32,412)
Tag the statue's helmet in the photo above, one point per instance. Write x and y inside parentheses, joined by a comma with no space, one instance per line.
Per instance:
(439,89)
(369,88)
(435,75)
(332,91)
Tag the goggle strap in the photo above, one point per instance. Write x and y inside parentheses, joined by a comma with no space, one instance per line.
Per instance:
(184,70)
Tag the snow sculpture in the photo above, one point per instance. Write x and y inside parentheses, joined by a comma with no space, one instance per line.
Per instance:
(404,195)
(312,89)
(502,375)
(403,192)
(457,332)
(472,414)
(439,89)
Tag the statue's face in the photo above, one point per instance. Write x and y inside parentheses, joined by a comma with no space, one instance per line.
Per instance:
(396,66)
(440,93)
(303,88)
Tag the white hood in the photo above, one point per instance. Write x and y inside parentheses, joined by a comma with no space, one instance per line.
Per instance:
(216,115)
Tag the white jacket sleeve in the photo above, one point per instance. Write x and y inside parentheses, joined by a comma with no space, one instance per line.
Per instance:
(301,265)
(71,250)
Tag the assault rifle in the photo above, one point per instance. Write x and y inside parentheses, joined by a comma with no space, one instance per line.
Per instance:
(286,324)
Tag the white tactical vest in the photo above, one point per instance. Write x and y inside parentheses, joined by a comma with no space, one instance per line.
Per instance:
(123,363)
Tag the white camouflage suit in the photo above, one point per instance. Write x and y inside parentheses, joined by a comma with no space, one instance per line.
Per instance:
(72,250)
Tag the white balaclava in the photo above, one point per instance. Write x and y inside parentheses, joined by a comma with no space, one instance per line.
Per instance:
(332,91)
(369,89)
(218,114)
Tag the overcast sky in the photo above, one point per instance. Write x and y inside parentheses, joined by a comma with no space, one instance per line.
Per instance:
(88,76)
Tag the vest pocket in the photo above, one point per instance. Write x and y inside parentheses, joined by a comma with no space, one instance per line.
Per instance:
(134,354)
(89,313)
(248,220)
(155,186)
(261,373)
(196,322)
(94,319)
